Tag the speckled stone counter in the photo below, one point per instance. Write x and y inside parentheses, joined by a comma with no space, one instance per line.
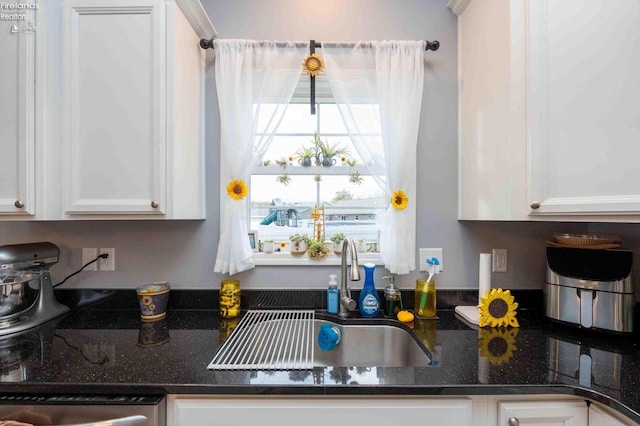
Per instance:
(102,349)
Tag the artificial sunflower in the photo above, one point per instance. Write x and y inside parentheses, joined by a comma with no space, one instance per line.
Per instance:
(313,65)
(237,189)
(498,309)
(497,345)
(399,200)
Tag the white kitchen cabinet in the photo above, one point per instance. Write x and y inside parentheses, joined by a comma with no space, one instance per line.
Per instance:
(543,413)
(599,416)
(17,115)
(316,411)
(132,97)
(549,118)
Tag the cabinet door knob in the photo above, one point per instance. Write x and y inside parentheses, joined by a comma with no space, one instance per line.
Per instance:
(19,204)
(513,421)
(535,205)
(154,204)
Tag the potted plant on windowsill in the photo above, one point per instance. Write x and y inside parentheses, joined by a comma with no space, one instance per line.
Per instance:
(317,249)
(299,243)
(337,240)
(305,156)
(325,153)
(267,246)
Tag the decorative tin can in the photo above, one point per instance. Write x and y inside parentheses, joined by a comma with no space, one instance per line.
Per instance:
(229,298)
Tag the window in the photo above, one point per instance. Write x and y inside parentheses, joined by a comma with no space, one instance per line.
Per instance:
(286,188)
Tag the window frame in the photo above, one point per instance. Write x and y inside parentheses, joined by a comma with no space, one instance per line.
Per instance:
(286,258)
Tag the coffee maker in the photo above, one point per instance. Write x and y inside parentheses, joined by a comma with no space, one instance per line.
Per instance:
(26,291)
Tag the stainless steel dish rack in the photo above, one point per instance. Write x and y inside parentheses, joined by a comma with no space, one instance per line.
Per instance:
(269,340)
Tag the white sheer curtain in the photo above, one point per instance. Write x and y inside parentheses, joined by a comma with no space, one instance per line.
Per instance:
(248,74)
(388,78)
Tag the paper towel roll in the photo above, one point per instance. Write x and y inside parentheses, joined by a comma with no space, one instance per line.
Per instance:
(484,282)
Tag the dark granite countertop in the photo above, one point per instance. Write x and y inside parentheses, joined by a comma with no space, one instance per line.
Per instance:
(106,349)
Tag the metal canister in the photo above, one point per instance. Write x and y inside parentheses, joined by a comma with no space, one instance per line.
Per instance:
(229,298)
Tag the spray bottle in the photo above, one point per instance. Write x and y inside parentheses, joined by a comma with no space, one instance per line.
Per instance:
(425,295)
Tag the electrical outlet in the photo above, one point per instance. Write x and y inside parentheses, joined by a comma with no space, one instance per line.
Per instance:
(428,253)
(108,264)
(89,254)
(499,260)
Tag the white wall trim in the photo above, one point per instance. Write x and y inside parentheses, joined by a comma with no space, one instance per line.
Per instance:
(197,17)
(458,6)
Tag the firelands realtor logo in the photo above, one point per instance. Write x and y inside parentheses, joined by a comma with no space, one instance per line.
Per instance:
(20,16)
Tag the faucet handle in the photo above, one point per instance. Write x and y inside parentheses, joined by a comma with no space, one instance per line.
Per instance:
(349,303)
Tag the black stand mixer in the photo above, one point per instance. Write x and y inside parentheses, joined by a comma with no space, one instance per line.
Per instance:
(26,292)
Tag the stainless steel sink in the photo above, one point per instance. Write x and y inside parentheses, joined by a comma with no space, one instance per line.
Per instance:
(274,340)
(371,343)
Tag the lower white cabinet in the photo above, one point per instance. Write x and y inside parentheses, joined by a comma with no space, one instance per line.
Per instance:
(476,410)
(547,413)
(599,416)
(317,411)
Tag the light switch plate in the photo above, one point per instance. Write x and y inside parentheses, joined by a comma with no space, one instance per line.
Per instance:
(499,260)
(108,264)
(428,253)
(89,254)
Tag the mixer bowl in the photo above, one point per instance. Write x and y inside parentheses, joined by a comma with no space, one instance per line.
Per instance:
(19,291)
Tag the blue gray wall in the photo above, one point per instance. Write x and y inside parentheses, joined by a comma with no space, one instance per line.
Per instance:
(184,252)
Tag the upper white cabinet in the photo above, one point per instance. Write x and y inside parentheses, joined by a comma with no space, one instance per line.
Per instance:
(17,116)
(132,142)
(549,118)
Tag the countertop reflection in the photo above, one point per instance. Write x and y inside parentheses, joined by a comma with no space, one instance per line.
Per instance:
(112,350)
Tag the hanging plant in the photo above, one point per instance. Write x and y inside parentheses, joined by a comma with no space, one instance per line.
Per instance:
(313,65)
(237,189)
(399,200)
(284,179)
(355,178)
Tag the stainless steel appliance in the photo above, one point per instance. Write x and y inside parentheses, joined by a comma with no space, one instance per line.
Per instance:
(81,410)
(26,292)
(590,288)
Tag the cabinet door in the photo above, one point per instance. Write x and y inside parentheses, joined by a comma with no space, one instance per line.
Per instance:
(583,109)
(599,417)
(543,413)
(17,108)
(113,107)
(319,412)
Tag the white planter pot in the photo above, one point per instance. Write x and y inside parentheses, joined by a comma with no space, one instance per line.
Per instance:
(299,247)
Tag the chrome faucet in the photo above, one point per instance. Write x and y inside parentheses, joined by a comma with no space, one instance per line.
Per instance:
(346,302)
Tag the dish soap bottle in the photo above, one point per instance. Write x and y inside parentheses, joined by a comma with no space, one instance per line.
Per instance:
(392,300)
(369,301)
(332,295)
(425,295)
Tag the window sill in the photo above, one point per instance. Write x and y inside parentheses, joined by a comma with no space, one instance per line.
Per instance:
(288,259)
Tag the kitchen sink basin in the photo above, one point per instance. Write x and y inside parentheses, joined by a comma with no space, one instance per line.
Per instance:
(370,343)
(271,341)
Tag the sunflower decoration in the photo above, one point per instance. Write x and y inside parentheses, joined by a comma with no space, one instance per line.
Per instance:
(313,65)
(237,189)
(498,309)
(399,200)
(497,345)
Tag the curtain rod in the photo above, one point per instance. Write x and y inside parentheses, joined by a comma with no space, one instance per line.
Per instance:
(431,45)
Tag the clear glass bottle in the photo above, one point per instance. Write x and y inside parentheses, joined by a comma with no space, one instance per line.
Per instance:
(369,301)
(392,299)
(332,295)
